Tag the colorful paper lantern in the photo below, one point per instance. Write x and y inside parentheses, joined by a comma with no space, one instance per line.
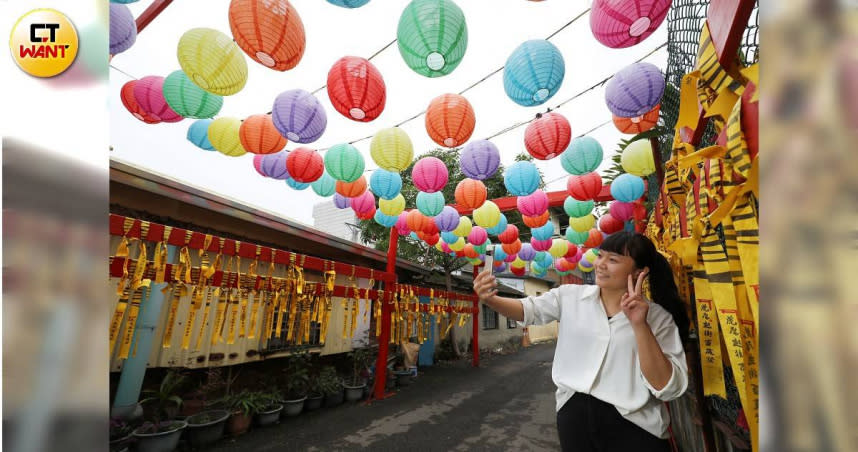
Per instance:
(257,159)
(471,193)
(223,135)
(533,204)
(637,158)
(384,220)
(521,179)
(594,238)
(449,237)
(543,232)
(450,120)
(385,184)
(269,31)
(126,94)
(391,149)
(299,116)
(429,227)
(447,220)
(392,207)
(584,155)
(609,225)
(499,253)
(401,223)
(356,89)
(363,203)
(518,271)
(526,253)
(574,253)
(541,245)
(188,99)
(577,237)
(582,223)
(430,204)
(482,247)
(480,159)
(547,136)
(536,221)
(634,90)
(123,1)
(305,165)
(591,255)
(212,60)
(325,186)
(342,202)
(627,188)
(478,235)
(562,265)
(464,228)
(429,174)
(487,215)
(368,215)
(352,189)
(274,165)
(499,227)
(349,3)
(123,29)
(259,136)
(637,124)
(297,185)
(198,133)
(559,247)
(458,245)
(576,208)
(432,36)
(624,23)
(584,187)
(149,94)
(622,211)
(533,72)
(585,266)
(543,259)
(512,248)
(344,162)
(417,221)
(509,235)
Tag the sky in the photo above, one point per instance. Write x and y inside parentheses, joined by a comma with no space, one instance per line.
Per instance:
(495,29)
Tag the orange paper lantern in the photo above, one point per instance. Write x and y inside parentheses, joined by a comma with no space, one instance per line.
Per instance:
(471,193)
(594,239)
(470,252)
(537,221)
(638,124)
(512,248)
(259,136)
(269,31)
(450,120)
(352,189)
(416,221)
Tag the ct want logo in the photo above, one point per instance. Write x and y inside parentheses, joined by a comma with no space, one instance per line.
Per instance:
(44,42)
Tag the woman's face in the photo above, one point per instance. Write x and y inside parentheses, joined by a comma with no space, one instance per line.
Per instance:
(612,270)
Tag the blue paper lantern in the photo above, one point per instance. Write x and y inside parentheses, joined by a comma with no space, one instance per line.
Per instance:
(325,185)
(627,188)
(543,259)
(430,204)
(297,185)
(385,220)
(526,253)
(448,219)
(498,228)
(448,237)
(349,3)
(385,184)
(414,236)
(543,232)
(521,179)
(499,254)
(533,72)
(584,155)
(198,133)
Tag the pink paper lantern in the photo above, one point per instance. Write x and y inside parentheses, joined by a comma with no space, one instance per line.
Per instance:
(429,174)
(478,235)
(510,257)
(533,204)
(624,23)
(257,164)
(149,94)
(364,203)
(401,224)
(622,211)
(446,248)
(541,245)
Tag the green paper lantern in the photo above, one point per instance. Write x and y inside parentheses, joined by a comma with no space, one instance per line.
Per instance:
(188,99)
(584,155)
(577,237)
(432,36)
(482,248)
(344,162)
(430,204)
(325,185)
(576,208)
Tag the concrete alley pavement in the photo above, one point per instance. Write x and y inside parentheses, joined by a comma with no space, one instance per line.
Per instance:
(505,404)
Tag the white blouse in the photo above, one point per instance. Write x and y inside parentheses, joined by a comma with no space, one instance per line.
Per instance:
(598,356)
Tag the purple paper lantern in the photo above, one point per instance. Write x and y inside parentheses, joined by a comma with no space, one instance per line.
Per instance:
(480,159)
(299,116)
(274,165)
(342,202)
(500,268)
(526,253)
(123,29)
(634,90)
(624,23)
(448,219)
(541,245)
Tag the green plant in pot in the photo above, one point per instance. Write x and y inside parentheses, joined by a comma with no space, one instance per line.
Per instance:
(243,406)
(296,382)
(269,405)
(160,406)
(120,435)
(316,394)
(330,385)
(360,359)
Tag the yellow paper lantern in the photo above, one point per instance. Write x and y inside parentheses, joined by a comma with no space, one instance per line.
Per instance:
(464,227)
(458,245)
(438,246)
(392,207)
(213,61)
(559,248)
(518,263)
(585,269)
(391,149)
(582,224)
(224,136)
(487,215)
(591,255)
(637,158)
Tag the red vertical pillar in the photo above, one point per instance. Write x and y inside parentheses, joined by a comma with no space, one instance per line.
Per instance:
(475,323)
(384,339)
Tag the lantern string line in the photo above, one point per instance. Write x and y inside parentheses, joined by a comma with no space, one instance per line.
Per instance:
(127,74)
(568,23)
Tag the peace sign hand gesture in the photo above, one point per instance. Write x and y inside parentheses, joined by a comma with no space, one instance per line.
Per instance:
(632,303)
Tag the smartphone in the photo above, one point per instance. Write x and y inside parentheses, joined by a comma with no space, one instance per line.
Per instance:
(489,259)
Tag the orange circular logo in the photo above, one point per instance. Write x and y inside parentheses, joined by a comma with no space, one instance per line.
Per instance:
(44,42)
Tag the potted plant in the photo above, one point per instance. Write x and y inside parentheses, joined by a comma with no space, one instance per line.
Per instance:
(242,406)
(206,427)
(197,400)
(331,386)
(316,393)
(161,433)
(354,386)
(120,435)
(297,380)
(268,407)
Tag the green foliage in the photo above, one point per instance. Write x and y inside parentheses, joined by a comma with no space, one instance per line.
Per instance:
(165,400)
(297,375)
(248,402)
(361,359)
(328,382)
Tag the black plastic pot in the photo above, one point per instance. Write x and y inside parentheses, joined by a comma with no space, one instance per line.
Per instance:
(313,402)
(206,427)
(334,399)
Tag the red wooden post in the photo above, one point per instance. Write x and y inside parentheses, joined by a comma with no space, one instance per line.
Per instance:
(384,339)
(151,13)
(475,324)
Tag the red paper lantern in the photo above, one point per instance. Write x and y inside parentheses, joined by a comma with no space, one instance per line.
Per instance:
(259,136)
(351,189)
(269,31)
(356,89)
(547,136)
(416,221)
(609,225)
(430,239)
(535,221)
(511,248)
(637,124)
(584,187)
(450,120)
(471,193)
(572,253)
(509,235)
(368,215)
(127,96)
(305,165)
(431,227)
(518,271)
(595,238)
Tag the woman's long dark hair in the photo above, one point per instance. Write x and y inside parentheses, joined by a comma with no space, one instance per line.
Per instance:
(661,283)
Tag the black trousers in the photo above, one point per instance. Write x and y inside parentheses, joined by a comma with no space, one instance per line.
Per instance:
(587,424)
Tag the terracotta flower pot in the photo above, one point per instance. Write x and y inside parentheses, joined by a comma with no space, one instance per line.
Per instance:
(238,423)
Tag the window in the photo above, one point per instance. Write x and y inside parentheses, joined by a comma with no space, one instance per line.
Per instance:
(510,323)
(490,318)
